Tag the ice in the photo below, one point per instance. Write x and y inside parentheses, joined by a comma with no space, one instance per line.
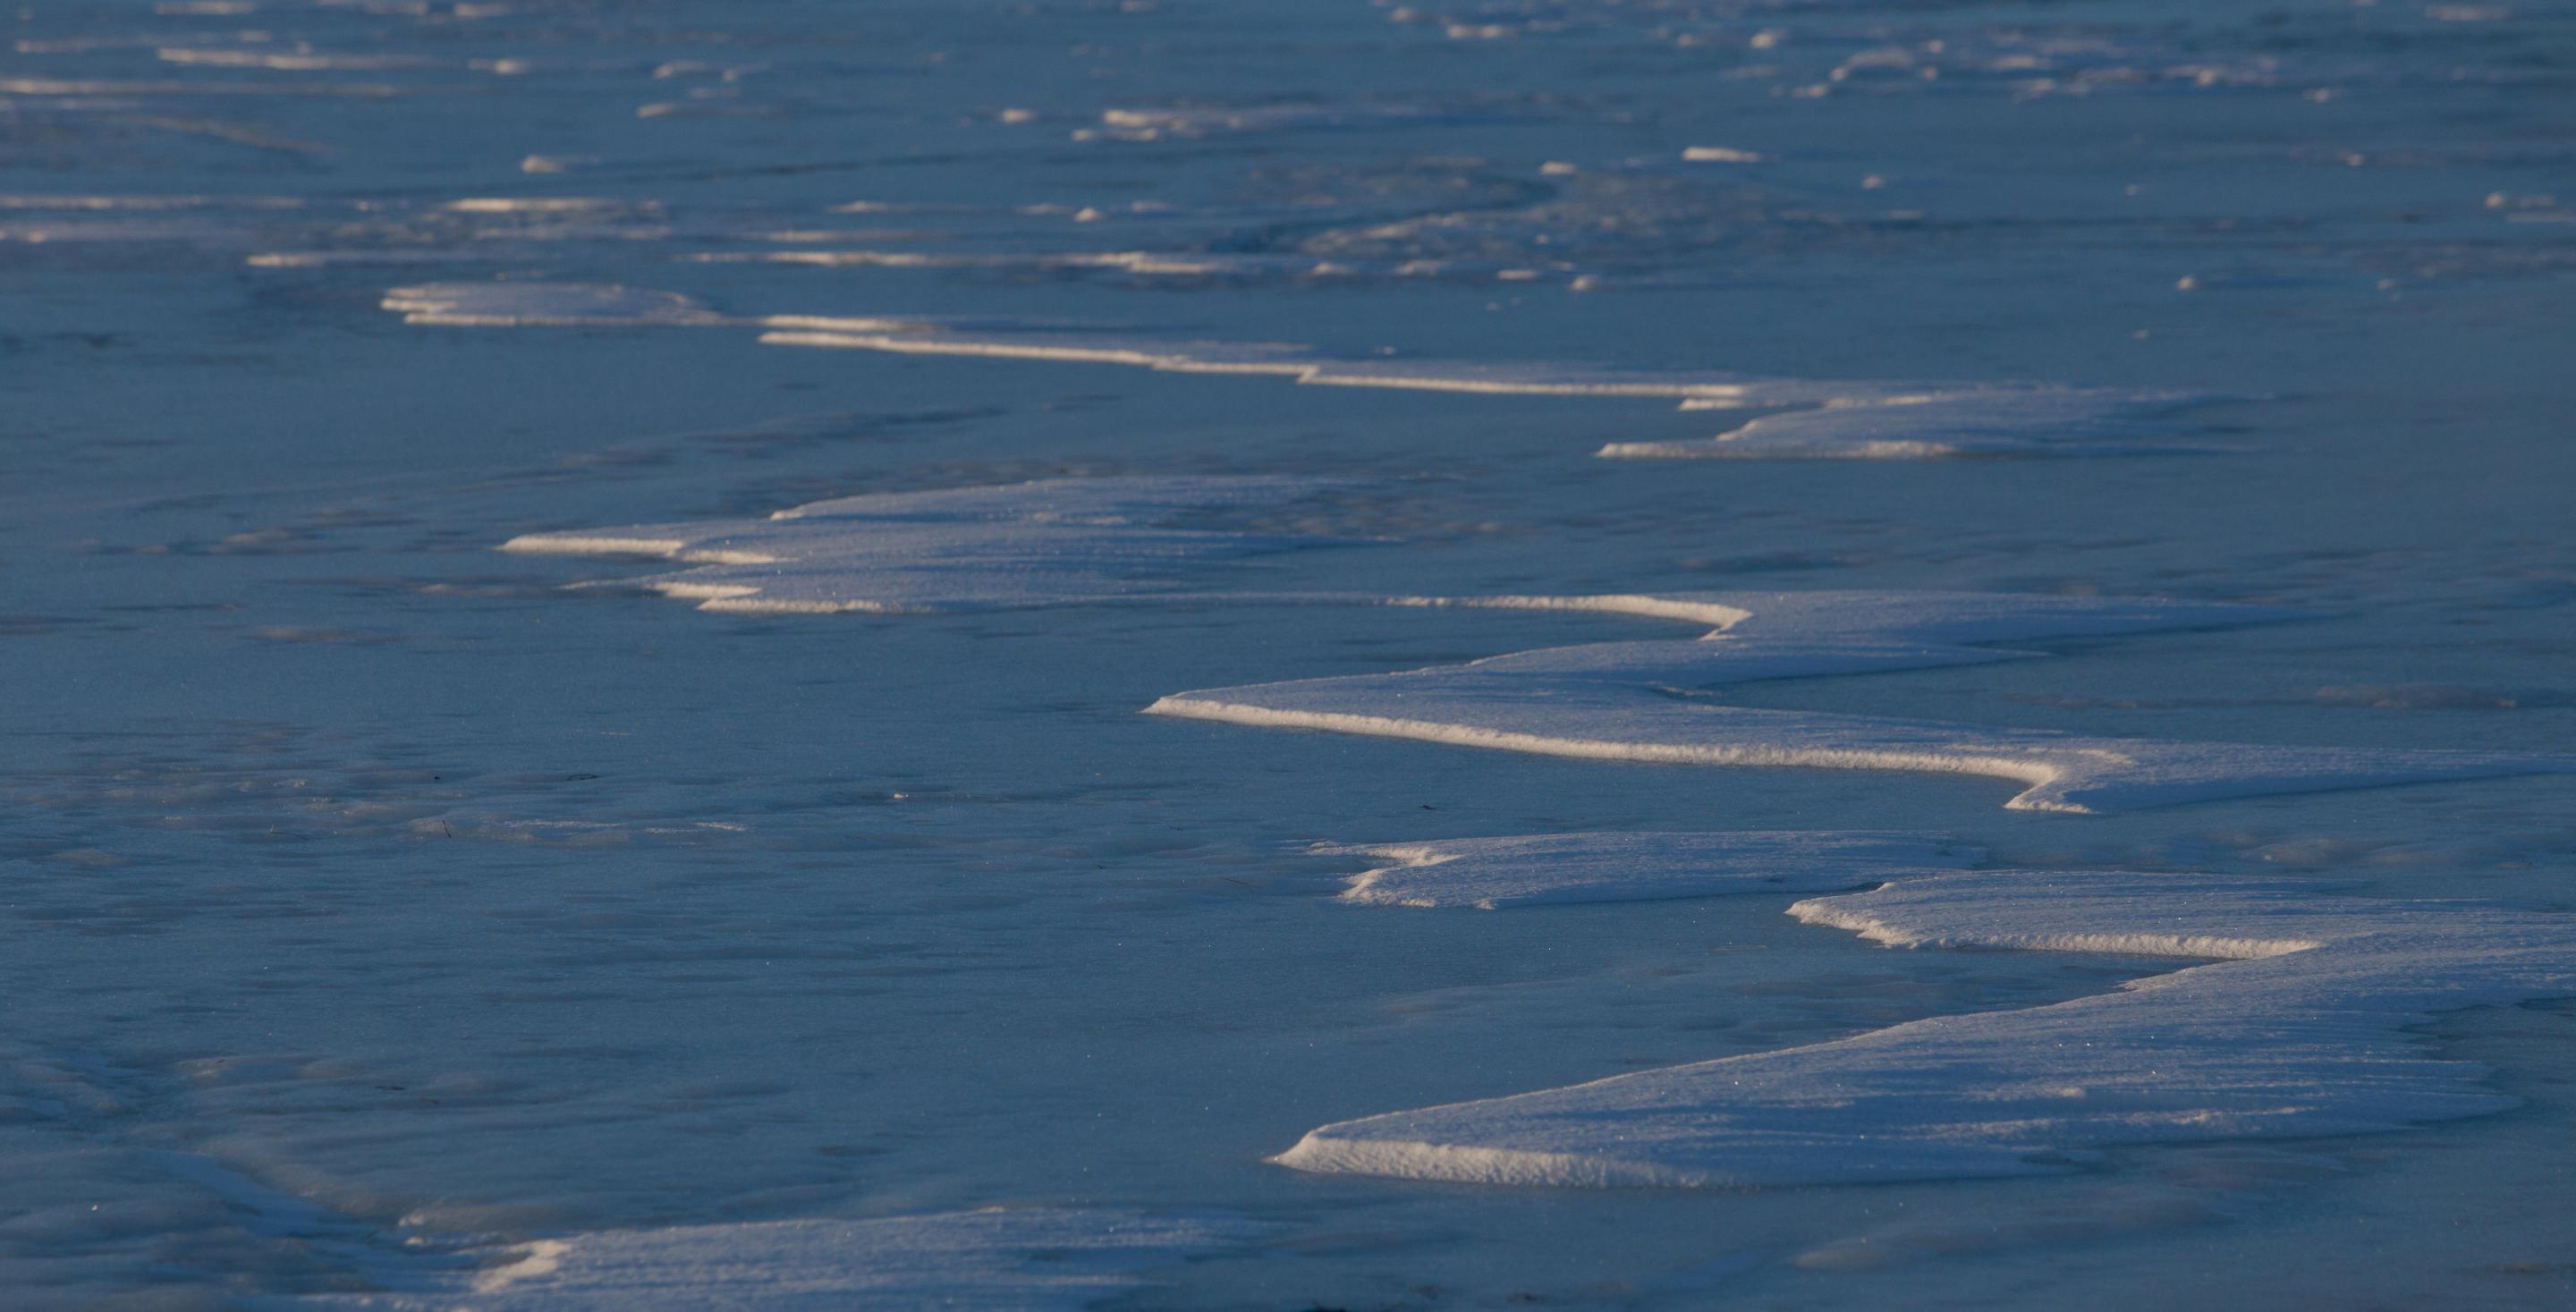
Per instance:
(539,304)
(519,305)
(1535,870)
(1273,359)
(1038,1258)
(1616,701)
(1978,422)
(1845,418)
(1150,124)
(437,908)
(297,62)
(1574,714)
(2298,1032)
(1055,542)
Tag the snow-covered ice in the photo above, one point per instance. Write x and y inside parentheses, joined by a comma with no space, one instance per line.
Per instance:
(1978,422)
(1019,1260)
(1858,418)
(1573,711)
(387,913)
(1056,542)
(1537,869)
(1616,701)
(552,305)
(2298,1031)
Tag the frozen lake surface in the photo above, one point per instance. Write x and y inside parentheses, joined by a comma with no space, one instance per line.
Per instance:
(2126,446)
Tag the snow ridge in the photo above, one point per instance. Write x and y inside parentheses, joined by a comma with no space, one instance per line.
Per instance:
(2297,1030)
(1048,543)
(1540,869)
(1844,419)
(1041,1258)
(1616,701)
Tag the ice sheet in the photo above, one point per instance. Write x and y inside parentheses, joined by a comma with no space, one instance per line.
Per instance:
(1055,542)
(1982,422)
(999,1259)
(1617,701)
(2299,1032)
(1537,869)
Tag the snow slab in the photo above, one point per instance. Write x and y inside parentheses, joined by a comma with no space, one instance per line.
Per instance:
(1053,542)
(1711,389)
(589,305)
(1614,701)
(996,1259)
(2298,1031)
(1876,418)
(1995,421)
(1538,869)
(545,305)
(1574,714)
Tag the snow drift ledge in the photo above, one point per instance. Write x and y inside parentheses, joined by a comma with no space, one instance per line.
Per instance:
(2298,1031)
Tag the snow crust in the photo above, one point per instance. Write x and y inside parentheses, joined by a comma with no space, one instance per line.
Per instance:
(1710,388)
(544,305)
(1822,418)
(1052,542)
(1537,869)
(1613,701)
(2298,1031)
(1152,123)
(992,1259)
(1991,421)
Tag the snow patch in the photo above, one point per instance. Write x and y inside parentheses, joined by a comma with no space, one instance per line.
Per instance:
(2298,1032)
(1493,873)
(1048,543)
(997,1259)
(1614,701)
(1845,418)
(1992,421)
(544,304)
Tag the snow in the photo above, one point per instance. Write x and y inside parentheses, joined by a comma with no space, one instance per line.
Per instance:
(1840,419)
(382,908)
(1978,422)
(1609,701)
(2298,1031)
(519,305)
(552,305)
(1565,708)
(1029,1259)
(1537,869)
(1053,542)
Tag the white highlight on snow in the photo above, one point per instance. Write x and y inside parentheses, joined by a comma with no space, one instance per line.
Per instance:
(1050,543)
(1152,124)
(299,61)
(1984,421)
(1722,155)
(2298,1032)
(1616,701)
(56,201)
(1537,869)
(1034,1259)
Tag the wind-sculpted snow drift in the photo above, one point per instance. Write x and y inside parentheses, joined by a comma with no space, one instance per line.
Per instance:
(1988,421)
(997,1259)
(1536,869)
(1616,701)
(2298,1031)
(1852,419)
(1053,542)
